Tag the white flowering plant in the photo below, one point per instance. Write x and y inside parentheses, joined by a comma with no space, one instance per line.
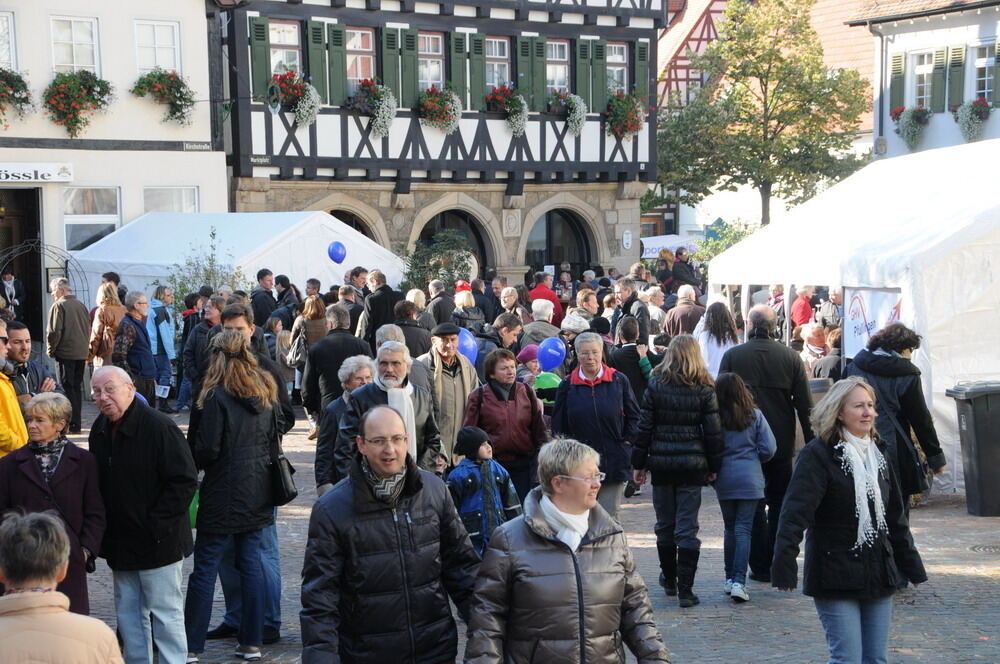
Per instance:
(970,117)
(506,99)
(910,123)
(377,102)
(576,110)
(441,109)
(307,107)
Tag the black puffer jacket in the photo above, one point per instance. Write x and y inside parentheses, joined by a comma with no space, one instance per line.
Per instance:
(471,319)
(233,446)
(376,580)
(680,436)
(820,500)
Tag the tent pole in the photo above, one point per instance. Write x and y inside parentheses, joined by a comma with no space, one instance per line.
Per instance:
(788,315)
(745,308)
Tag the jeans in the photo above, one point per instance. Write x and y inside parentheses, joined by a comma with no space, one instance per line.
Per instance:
(610,497)
(71,379)
(857,631)
(163,370)
(271,570)
(676,507)
(184,393)
(777,475)
(738,517)
(151,596)
(208,551)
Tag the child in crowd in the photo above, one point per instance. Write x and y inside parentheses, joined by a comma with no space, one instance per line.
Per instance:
(481,488)
(528,368)
(271,329)
(283,344)
(747,443)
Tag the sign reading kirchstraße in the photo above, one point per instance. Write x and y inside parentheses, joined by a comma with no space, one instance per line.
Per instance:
(35,172)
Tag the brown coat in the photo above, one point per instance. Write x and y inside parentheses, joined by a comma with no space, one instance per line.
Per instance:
(68,333)
(38,628)
(683,318)
(103,331)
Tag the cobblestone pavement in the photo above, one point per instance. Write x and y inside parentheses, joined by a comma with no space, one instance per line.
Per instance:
(952,619)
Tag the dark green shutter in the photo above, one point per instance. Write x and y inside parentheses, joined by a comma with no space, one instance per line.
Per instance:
(408,67)
(336,52)
(524,71)
(316,31)
(260,56)
(457,46)
(477,72)
(938,80)
(956,76)
(996,74)
(599,78)
(582,74)
(642,71)
(539,75)
(897,81)
(390,60)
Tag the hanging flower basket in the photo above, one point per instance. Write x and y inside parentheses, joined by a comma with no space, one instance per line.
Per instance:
(377,102)
(14,95)
(73,97)
(441,109)
(506,100)
(167,87)
(292,92)
(625,116)
(970,117)
(576,110)
(910,123)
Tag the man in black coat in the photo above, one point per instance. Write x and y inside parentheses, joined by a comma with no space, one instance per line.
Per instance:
(777,378)
(388,543)
(262,298)
(484,303)
(147,478)
(418,338)
(629,304)
(379,307)
(347,296)
(441,304)
(320,384)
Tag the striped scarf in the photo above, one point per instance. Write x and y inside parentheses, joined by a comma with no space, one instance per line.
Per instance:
(385,489)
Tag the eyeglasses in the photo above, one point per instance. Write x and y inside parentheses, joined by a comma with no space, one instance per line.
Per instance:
(4,339)
(382,442)
(110,391)
(596,479)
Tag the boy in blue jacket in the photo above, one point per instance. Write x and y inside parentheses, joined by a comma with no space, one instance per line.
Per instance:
(481,488)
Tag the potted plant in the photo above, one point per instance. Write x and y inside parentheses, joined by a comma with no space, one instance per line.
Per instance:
(504,99)
(439,108)
(290,91)
(625,116)
(556,103)
(167,87)
(73,97)
(970,117)
(377,102)
(14,95)
(575,110)
(910,123)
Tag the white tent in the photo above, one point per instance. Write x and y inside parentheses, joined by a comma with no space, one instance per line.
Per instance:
(927,224)
(652,245)
(292,243)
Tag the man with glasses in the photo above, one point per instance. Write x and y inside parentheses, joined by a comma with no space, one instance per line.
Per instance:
(13,433)
(68,343)
(133,351)
(388,543)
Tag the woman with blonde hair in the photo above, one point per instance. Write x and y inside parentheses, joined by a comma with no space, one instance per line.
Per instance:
(466,313)
(239,426)
(107,317)
(859,549)
(424,317)
(680,444)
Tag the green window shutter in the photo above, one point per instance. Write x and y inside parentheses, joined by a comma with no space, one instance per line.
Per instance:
(599,79)
(539,75)
(938,80)
(457,47)
(524,70)
(996,74)
(316,31)
(408,67)
(336,52)
(390,60)
(477,72)
(956,76)
(642,70)
(582,74)
(897,81)
(260,56)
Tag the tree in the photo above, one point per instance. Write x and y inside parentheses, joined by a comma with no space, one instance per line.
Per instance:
(204,267)
(724,237)
(771,114)
(446,258)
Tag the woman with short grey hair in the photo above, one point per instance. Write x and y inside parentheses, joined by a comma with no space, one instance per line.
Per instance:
(356,371)
(546,572)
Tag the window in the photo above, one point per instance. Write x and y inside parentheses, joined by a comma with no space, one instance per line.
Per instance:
(74,44)
(360,57)
(923,68)
(497,62)
(556,66)
(156,45)
(985,56)
(285,46)
(170,199)
(7,52)
(430,69)
(617,62)
(89,214)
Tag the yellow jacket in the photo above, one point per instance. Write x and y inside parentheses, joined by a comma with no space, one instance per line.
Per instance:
(13,433)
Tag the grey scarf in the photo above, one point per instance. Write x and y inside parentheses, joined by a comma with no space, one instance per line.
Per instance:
(385,489)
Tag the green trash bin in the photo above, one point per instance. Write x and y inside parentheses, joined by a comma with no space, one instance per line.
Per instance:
(979,431)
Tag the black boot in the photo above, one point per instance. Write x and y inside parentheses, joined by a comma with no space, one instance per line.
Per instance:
(165,406)
(668,568)
(687,565)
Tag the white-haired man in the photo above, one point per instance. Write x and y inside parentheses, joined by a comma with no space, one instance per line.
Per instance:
(509,303)
(441,304)
(541,327)
(684,317)
(831,311)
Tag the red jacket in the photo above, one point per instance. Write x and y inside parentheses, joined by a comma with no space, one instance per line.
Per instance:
(515,427)
(802,311)
(543,292)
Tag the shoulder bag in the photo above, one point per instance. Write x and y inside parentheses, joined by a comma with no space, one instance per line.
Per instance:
(283,489)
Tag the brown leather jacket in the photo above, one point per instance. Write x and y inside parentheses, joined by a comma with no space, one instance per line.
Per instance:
(537,601)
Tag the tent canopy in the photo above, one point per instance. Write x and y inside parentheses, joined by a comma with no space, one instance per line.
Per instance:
(926,223)
(651,246)
(292,243)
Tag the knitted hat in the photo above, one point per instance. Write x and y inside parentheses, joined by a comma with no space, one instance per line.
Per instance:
(575,323)
(601,325)
(462,285)
(528,353)
(468,441)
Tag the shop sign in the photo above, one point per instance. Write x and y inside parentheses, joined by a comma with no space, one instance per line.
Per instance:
(35,172)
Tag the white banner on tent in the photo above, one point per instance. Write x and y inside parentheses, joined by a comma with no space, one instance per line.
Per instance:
(866,311)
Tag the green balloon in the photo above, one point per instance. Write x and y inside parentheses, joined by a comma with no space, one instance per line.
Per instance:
(545,386)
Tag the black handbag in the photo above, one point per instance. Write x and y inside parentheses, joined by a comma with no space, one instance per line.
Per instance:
(283,489)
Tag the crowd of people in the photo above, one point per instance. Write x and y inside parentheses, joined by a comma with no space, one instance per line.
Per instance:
(448,476)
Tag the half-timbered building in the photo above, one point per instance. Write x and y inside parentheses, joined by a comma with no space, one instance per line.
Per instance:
(545,198)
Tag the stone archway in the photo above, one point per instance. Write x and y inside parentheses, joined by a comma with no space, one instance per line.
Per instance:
(488,224)
(591,220)
(366,213)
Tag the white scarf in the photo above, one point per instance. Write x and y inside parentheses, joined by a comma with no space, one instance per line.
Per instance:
(570,528)
(401,401)
(862,461)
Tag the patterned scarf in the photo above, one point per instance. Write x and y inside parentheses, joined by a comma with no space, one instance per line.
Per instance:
(386,489)
(863,463)
(48,454)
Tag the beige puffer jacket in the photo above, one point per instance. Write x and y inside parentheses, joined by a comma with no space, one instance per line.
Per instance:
(536,601)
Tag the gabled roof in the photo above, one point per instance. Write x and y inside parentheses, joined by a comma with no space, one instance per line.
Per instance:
(881,11)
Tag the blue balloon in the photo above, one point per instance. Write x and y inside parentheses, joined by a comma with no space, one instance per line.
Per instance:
(551,353)
(467,345)
(141,398)
(337,251)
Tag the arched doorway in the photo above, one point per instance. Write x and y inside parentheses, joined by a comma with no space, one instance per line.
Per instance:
(355,222)
(462,221)
(558,237)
